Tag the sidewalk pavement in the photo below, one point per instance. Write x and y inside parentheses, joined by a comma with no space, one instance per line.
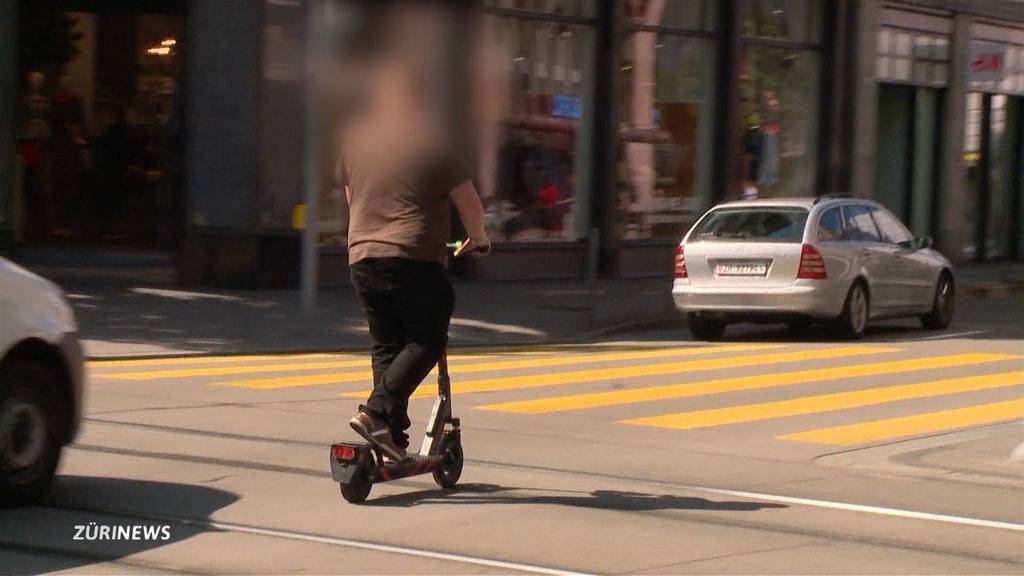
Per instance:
(119,321)
(991,279)
(123,320)
(128,305)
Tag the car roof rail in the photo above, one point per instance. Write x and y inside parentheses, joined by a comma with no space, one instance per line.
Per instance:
(831,196)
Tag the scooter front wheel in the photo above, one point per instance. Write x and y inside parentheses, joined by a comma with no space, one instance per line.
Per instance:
(358,488)
(449,469)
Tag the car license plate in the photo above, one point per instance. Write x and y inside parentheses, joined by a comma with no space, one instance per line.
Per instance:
(741,269)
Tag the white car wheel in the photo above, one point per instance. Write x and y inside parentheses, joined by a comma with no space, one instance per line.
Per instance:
(856,311)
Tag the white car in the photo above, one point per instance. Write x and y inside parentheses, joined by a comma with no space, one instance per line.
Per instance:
(845,261)
(41,381)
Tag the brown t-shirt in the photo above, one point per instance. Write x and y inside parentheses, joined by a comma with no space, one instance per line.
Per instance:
(400,185)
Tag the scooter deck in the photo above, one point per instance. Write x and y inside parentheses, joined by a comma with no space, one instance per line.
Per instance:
(347,458)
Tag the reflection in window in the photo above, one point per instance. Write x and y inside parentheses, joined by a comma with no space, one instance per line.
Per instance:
(530,89)
(779,107)
(677,14)
(830,226)
(859,227)
(1002,165)
(665,133)
(583,8)
(912,57)
(784,19)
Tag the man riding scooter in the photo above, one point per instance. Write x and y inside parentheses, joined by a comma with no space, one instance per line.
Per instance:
(399,174)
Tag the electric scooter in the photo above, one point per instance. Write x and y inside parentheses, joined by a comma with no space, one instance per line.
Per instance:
(356,467)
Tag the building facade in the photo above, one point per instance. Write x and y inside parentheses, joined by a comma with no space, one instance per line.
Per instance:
(599,130)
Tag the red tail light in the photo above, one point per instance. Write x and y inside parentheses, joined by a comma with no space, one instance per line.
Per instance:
(680,263)
(342,452)
(812,265)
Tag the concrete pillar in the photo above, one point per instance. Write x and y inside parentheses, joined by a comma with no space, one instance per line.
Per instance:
(727,181)
(865,85)
(222,61)
(955,198)
(243,156)
(8,121)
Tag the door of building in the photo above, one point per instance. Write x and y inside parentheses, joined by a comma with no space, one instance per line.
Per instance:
(994,157)
(909,122)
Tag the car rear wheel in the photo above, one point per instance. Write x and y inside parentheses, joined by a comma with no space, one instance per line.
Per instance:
(704,328)
(856,311)
(942,305)
(30,417)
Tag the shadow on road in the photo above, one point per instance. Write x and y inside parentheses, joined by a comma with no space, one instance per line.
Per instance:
(47,538)
(598,499)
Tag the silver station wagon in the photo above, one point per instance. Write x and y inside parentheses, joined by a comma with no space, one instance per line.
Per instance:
(844,261)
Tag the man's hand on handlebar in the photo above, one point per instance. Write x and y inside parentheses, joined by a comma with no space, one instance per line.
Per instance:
(479,247)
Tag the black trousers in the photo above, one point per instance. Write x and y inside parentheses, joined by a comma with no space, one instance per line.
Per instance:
(408,305)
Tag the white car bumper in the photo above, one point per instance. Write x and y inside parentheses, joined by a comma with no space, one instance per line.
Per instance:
(805,298)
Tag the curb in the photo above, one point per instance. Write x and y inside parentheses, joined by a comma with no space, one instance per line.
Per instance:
(992,289)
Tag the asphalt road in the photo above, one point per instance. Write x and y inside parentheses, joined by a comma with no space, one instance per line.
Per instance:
(767,453)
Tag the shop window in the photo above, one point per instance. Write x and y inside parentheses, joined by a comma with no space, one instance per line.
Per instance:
(666,113)
(1013,75)
(912,57)
(530,93)
(1002,165)
(580,8)
(680,15)
(779,107)
(793,20)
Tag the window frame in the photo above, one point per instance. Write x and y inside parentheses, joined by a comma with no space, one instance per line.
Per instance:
(884,237)
(853,226)
(710,37)
(798,211)
(842,225)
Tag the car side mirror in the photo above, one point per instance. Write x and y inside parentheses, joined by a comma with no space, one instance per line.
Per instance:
(923,242)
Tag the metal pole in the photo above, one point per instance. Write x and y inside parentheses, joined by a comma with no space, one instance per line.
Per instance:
(311,176)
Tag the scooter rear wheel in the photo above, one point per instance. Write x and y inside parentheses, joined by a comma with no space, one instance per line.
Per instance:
(356,490)
(448,471)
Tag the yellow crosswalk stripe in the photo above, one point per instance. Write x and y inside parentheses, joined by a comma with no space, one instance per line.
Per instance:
(757,381)
(560,360)
(359,359)
(199,360)
(224,370)
(291,366)
(828,402)
(900,427)
(624,372)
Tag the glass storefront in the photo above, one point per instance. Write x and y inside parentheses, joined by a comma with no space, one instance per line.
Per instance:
(992,158)
(1004,161)
(913,68)
(666,111)
(993,149)
(779,97)
(531,95)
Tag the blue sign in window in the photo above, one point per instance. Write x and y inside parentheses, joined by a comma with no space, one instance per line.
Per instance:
(565,106)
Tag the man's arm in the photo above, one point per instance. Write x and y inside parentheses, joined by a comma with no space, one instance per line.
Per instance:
(471,212)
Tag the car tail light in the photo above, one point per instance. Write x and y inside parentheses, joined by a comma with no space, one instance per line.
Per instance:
(680,263)
(812,265)
(342,452)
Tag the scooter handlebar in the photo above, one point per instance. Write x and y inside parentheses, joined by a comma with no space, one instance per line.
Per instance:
(468,247)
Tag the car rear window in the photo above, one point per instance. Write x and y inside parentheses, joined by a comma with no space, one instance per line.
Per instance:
(754,224)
